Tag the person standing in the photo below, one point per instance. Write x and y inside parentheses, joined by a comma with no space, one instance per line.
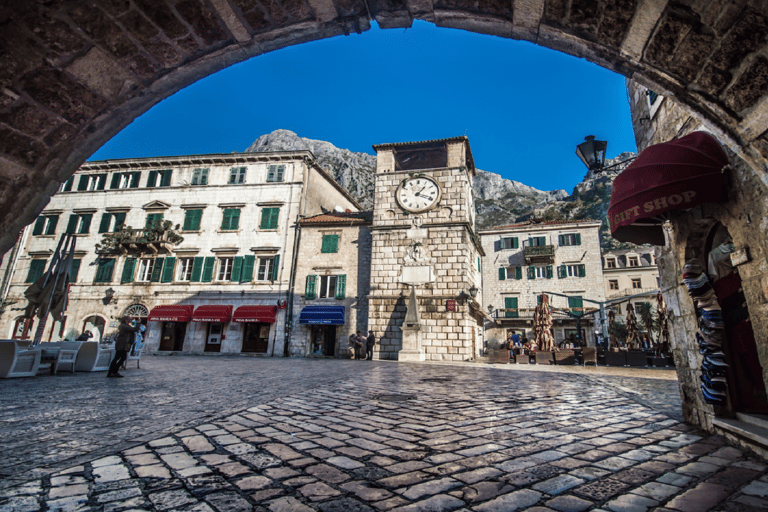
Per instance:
(370,341)
(125,337)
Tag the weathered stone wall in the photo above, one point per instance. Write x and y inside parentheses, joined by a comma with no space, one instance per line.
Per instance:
(744,214)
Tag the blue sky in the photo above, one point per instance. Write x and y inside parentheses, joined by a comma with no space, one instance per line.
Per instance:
(523,107)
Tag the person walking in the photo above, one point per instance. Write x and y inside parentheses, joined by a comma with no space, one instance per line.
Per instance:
(370,341)
(125,337)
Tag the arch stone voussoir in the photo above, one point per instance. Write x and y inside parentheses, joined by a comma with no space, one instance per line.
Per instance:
(73,74)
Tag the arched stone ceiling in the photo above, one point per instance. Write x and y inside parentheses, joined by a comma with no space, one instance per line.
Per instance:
(73,73)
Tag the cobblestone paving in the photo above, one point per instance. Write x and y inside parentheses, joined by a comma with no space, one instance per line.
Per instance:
(224,434)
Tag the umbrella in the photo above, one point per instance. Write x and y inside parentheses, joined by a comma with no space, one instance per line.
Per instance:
(632,338)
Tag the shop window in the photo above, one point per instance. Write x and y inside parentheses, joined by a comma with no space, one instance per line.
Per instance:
(110,222)
(161,178)
(192,220)
(613,284)
(570,239)
(330,244)
(636,283)
(199,177)
(236,176)
(275,173)
(225,269)
(45,225)
(36,269)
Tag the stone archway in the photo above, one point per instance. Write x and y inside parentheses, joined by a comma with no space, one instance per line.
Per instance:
(74,73)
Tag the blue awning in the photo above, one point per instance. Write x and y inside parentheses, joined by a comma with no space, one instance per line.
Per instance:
(322,315)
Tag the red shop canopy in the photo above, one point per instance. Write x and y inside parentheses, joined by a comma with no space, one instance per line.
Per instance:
(171,313)
(252,314)
(674,175)
(213,313)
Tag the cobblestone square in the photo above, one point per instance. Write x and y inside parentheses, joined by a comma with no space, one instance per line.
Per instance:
(240,433)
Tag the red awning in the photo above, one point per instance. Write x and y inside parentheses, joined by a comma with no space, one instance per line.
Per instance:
(252,314)
(674,175)
(212,313)
(171,313)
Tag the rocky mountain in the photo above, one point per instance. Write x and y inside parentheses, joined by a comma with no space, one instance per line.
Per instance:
(498,200)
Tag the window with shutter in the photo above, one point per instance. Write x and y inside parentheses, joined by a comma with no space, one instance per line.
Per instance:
(518,272)
(197,269)
(135,177)
(531,272)
(157,270)
(106,219)
(74,270)
(510,307)
(166,175)
(186,266)
(104,270)
(50,228)
(39,226)
(36,269)
(83,183)
(192,220)
(549,272)
(168,266)
(275,173)
(330,244)
(72,224)
(128,267)
(502,274)
(248,263)
(200,177)
(68,184)
(582,271)
(237,269)
(102,181)
(116,178)
(85,223)
(275,267)
(230,219)
(119,220)
(236,176)
(576,305)
(152,218)
(266,269)
(208,265)
(269,218)
(152,179)
(309,292)
(341,286)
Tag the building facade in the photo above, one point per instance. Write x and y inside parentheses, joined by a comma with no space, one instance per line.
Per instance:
(631,275)
(560,259)
(224,288)
(332,276)
(424,243)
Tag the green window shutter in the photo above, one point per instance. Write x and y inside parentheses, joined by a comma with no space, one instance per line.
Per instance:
(330,244)
(157,270)
(72,224)
(152,218)
(119,219)
(104,224)
(68,184)
(341,286)
(576,304)
(502,273)
(151,179)
(562,272)
(479,265)
(225,218)
(74,270)
(531,242)
(549,272)
(104,271)
(210,262)
(309,292)
(197,269)
(188,220)
(531,272)
(83,183)
(560,240)
(582,271)
(510,303)
(501,243)
(85,227)
(135,177)
(518,273)
(234,219)
(166,174)
(247,274)
(128,267)
(197,215)
(53,220)
(168,266)
(515,243)
(102,182)
(275,267)
(578,238)
(36,269)
(237,269)
(269,218)
(115,183)
(39,226)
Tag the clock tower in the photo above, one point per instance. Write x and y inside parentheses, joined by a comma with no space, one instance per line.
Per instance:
(425,261)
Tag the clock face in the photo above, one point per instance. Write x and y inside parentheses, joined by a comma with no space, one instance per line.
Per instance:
(418,194)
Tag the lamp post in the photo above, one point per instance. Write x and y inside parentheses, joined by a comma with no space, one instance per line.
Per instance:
(592,153)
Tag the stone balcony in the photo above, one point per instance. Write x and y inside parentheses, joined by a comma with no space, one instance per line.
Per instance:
(539,254)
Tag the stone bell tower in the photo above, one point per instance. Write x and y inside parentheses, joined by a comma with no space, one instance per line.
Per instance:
(425,252)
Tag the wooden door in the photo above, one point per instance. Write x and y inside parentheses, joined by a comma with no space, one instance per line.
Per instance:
(256,338)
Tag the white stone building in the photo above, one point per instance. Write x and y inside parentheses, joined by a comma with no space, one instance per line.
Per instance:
(631,275)
(220,290)
(525,260)
(333,273)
